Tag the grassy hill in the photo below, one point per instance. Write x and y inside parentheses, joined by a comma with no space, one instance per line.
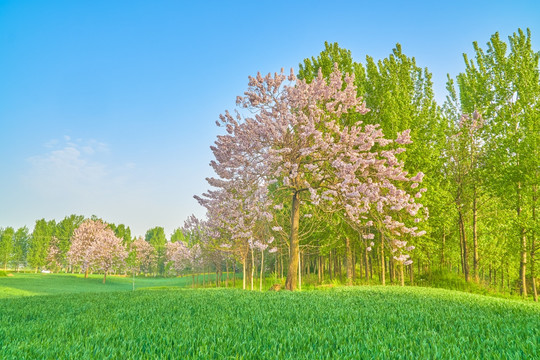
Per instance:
(344,323)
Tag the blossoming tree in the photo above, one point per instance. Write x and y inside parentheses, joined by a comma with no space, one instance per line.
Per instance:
(296,136)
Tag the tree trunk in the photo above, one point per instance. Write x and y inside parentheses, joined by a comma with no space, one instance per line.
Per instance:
(319,271)
(533,245)
(465,264)
(292,278)
(366,261)
(475,239)
(523,239)
(227,273)
(402,273)
(262,267)
(349,261)
(383,271)
(299,272)
(244,274)
(330,265)
(442,249)
(104,277)
(252,268)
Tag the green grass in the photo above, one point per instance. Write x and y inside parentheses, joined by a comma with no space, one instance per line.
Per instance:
(345,323)
(49,284)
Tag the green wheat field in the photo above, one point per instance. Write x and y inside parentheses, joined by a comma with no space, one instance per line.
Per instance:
(166,319)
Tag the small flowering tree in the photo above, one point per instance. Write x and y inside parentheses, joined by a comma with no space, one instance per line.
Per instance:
(106,253)
(54,255)
(94,246)
(145,255)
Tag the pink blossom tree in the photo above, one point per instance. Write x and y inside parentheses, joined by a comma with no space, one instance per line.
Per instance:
(298,136)
(54,255)
(94,246)
(145,255)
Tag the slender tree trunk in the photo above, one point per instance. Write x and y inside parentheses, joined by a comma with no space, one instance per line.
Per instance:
(227,273)
(319,272)
(383,271)
(281,267)
(299,273)
(442,248)
(475,238)
(366,261)
(104,277)
(533,244)
(244,274)
(330,265)
(252,268)
(262,267)
(402,273)
(463,246)
(349,261)
(523,238)
(85,273)
(292,279)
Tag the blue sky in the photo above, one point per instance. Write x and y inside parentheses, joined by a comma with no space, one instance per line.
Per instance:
(108,107)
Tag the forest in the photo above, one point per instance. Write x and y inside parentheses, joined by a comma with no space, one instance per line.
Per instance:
(347,172)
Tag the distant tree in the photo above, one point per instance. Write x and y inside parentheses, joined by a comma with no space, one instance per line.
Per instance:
(156,237)
(94,246)
(6,245)
(123,232)
(54,255)
(64,232)
(39,244)
(21,242)
(107,253)
(177,235)
(144,255)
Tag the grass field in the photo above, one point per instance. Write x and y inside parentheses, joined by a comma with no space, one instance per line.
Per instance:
(21,284)
(345,323)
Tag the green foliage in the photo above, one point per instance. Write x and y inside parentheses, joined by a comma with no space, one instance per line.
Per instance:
(6,245)
(355,323)
(39,244)
(3,273)
(156,237)
(21,242)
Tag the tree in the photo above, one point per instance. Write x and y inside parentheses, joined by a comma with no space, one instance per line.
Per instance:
(94,246)
(63,232)
(504,87)
(106,253)
(300,138)
(54,255)
(156,237)
(39,245)
(21,242)
(6,245)
(145,255)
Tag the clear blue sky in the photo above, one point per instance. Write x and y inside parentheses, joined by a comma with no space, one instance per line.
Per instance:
(108,107)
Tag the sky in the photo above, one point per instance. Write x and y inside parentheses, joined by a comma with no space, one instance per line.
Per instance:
(108,108)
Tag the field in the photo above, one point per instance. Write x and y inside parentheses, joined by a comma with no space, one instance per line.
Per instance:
(356,322)
(51,284)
